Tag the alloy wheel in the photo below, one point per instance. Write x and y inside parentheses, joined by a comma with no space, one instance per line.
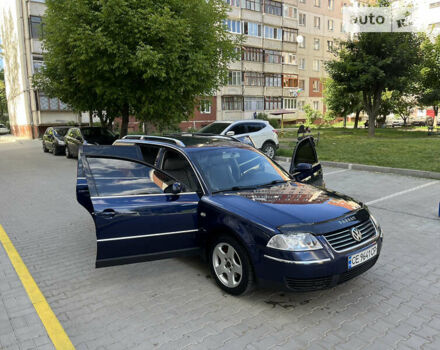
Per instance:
(269,150)
(227,265)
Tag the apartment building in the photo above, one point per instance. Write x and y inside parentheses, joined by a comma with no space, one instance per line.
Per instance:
(30,111)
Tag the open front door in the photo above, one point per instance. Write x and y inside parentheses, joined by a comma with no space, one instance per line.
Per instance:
(305,166)
(137,218)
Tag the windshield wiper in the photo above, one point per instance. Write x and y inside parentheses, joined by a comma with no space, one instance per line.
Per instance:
(274,182)
(236,188)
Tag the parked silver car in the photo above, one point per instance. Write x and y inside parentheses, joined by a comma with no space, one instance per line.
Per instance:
(4,129)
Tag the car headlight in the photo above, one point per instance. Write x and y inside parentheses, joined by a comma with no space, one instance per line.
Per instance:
(376,223)
(61,143)
(295,242)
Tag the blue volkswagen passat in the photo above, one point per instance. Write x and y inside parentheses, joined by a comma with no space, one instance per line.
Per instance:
(255,223)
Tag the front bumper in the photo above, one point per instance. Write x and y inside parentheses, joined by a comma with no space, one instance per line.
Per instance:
(322,272)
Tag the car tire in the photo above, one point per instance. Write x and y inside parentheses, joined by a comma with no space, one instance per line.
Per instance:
(269,149)
(54,150)
(68,154)
(230,266)
(45,150)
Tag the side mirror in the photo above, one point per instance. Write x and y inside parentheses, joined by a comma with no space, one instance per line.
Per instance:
(174,188)
(230,133)
(303,167)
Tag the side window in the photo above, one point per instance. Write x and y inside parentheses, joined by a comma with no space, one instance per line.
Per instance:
(149,153)
(254,127)
(114,177)
(239,129)
(178,167)
(305,153)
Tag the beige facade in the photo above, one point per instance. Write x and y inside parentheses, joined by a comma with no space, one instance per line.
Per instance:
(29,111)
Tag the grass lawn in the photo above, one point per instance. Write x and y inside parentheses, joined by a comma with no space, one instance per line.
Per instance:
(395,148)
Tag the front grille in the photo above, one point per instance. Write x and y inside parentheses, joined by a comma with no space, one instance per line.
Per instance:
(356,271)
(343,240)
(304,285)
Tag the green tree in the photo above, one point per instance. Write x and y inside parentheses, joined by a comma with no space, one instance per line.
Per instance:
(311,115)
(341,101)
(372,63)
(403,105)
(3,101)
(429,86)
(148,58)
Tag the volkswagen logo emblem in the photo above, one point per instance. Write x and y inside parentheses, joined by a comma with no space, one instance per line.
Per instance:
(357,234)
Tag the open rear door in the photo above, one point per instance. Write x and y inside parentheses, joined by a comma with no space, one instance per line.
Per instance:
(305,166)
(137,218)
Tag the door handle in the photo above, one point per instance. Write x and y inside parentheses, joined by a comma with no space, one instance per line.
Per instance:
(108,213)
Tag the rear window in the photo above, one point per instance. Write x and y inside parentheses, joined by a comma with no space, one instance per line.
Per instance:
(214,128)
(61,132)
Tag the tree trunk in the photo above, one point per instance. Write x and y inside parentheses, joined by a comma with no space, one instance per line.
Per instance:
(125,117)
(435,116)
(356,119)
(345,121)
(90,118)
(102,119)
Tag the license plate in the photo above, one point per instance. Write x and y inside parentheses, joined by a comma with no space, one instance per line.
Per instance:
(363,256)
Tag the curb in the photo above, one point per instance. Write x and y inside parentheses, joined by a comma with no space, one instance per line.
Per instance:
(377,169)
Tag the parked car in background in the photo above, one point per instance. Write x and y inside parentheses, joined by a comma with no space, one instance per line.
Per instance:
(53,139)
(78,136)
(397,123)
(254,222)
(418,123)
(264,136)
(4,129)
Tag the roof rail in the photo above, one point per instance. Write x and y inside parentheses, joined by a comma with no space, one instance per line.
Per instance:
(192,134)
(154,138)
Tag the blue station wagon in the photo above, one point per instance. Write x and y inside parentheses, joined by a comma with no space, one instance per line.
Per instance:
(255,223)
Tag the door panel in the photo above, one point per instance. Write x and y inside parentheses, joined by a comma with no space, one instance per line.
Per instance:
(135,218)
(305,166)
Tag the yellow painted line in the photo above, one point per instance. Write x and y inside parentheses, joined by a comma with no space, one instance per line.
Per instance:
(53,327)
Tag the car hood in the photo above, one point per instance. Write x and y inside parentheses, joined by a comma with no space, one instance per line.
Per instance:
(290,203)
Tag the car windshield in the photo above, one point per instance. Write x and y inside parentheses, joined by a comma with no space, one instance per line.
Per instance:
(96,132)
(61,131)
(214,128)
(231,169)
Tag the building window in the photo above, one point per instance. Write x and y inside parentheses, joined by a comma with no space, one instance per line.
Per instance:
(252,29)
(253,79)
(317,22)
(272,33)
(253,103)
(330,25)
(302,44)
(289,103)
(316,65)
(317,44)
(301,105)
(234,78)
(271,103)
(302,84)
(37,27)
(317,3)
(37,64)
(289,35)
(273,7)
(329,45)
(51,104)
(232,103)
(331,4)
(233,26)
(316,105)
(289,58)
(302,63)
(252,54)
(253,5)
(316,86)
(271,56)
(290,81)
(235,3)
(302,19)
(205,106)
(272,80)
(302,1)
(290,11)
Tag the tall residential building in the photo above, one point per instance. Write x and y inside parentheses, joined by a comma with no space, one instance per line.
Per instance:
(30,111)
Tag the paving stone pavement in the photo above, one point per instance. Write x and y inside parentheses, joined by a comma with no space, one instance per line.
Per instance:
(174,304)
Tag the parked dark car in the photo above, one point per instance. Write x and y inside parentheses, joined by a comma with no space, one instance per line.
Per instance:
(418,123)
(254,222)
(87,135)
(53,139)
